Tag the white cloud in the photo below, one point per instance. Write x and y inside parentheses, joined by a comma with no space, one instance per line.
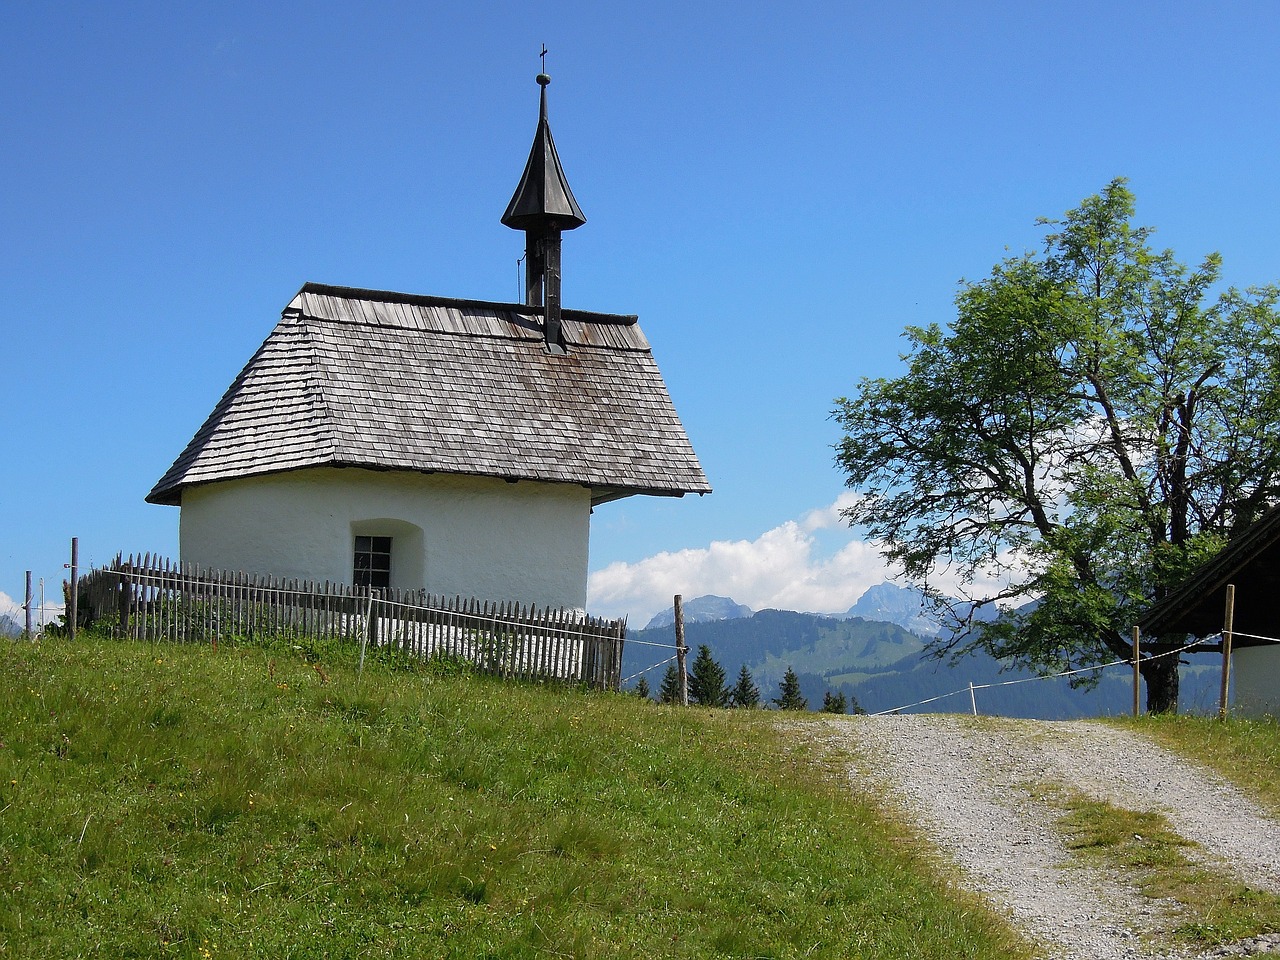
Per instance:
(785,567)
(790,567)
(829,516)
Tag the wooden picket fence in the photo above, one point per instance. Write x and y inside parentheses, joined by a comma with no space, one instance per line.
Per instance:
(153,599)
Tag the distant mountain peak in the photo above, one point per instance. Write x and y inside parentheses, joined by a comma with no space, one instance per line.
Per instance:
(891,603)
(701,610)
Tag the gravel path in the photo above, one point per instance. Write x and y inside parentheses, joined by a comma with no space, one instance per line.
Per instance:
(965,783)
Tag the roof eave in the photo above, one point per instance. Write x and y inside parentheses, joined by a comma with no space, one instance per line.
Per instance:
(171,495)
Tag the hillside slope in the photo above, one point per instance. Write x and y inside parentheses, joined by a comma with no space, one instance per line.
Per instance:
(190,802)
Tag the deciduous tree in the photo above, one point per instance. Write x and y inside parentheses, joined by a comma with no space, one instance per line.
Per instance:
(1097,419)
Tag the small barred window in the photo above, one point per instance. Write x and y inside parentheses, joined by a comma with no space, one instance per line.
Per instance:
(373,562)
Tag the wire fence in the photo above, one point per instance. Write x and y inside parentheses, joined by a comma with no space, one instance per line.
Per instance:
(1126,662)
(972,688)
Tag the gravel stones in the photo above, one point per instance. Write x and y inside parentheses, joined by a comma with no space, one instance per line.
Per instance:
(971,787)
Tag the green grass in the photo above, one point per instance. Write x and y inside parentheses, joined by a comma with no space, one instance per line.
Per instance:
(1215,908)
(160,801)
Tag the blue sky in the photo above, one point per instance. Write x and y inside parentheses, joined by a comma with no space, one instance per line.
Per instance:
(777,190)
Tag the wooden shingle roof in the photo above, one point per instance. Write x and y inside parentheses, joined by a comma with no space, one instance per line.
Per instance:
(1251,561)
(390,381)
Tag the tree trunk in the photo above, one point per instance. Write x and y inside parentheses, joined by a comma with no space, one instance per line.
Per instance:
(1161,677)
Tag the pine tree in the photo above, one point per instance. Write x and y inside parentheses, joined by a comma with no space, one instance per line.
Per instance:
(789,693)
(834,702)
(642,688)
(706,681)
(745,692)
(669,692)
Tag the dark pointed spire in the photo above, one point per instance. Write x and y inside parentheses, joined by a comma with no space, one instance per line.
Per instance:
(543,206)
(543,198)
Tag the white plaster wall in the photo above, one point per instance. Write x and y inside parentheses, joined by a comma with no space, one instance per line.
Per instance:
(480,536)
(1255,673)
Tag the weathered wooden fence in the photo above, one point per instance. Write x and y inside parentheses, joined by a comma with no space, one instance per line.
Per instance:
(151,598)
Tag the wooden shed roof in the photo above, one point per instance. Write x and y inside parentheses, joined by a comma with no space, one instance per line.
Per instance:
(392,381)
(1252,562)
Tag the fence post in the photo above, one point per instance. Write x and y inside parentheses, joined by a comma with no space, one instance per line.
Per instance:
(122,602)
(1137,676)
(72,614)
(681,651)
(364,641)
(28,632)
(616,673)
(973,701)
(1228,623)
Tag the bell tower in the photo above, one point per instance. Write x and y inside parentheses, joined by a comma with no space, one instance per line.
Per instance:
(543,207)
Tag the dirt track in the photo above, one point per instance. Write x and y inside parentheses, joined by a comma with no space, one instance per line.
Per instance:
(966,784)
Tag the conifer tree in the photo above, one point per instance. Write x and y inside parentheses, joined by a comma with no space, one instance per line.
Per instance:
(834,702)
(745,693)
(789,693)
(669,692)
(642,688)
(706,680)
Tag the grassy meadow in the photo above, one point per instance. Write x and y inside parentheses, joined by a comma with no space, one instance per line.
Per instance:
(250,801)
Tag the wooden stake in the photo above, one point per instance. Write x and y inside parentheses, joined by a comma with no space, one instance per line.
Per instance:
(1228,623)
(75,587)
(29,632)
(1137,675)
(681,651)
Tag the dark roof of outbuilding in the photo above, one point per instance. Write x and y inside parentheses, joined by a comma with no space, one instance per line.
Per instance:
(1197,606)
(391,381)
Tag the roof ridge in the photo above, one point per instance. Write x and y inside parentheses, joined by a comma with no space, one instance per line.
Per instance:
(425,300)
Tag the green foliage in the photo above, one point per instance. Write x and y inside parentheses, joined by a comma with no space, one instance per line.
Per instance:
(669,692)
(834,702)
(788,697)
(248,802)
(1092,424)
(745,693)
(642,688)
(706,680)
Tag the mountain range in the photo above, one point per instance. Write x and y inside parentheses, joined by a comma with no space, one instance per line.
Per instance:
(877,655)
